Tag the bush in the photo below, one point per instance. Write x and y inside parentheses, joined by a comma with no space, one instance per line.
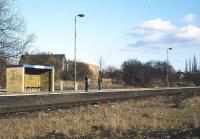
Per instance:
(142,74)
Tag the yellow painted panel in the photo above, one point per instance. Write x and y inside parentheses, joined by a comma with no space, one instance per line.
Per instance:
(15,79)
(44,78)
(32,80)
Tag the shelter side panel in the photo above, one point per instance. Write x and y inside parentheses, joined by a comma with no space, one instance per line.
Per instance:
(15,79)
(44,79)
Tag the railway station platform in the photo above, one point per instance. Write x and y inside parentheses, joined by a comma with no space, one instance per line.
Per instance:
(4,93)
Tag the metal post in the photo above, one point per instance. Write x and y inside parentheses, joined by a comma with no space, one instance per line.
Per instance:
(168,67)
(167,70)
(75,84)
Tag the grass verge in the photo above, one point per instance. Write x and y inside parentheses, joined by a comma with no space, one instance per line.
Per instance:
(158,117)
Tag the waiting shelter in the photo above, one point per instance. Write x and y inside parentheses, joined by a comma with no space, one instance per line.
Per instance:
(29,78)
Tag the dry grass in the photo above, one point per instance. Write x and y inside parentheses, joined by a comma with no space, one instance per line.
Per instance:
(161,113)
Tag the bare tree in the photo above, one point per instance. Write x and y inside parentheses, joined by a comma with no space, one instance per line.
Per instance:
(13,39)
(195,65)
(190,66)
(134,72)
(101,63)
(186,66)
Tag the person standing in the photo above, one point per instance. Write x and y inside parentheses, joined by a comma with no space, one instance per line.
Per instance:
(99,83)
(86,83)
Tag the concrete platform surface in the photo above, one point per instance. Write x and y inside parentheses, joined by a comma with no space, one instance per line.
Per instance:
(4,93)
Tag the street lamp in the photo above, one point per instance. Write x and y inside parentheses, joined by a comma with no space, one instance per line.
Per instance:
(75,83)
(168,67)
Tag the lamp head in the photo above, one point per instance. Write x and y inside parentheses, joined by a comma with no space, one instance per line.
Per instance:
(81,15)
(170,48)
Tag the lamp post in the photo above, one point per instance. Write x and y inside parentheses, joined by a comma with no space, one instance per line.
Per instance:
(75,83)
(168,67)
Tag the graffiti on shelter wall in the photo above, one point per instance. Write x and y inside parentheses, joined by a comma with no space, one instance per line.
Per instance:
(15,76)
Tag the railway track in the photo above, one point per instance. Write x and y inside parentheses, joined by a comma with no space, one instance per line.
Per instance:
(16,105)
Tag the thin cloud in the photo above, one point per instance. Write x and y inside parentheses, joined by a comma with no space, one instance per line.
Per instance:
(190,18)
(159,32)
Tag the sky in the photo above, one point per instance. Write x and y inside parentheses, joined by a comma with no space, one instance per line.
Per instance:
(116,30)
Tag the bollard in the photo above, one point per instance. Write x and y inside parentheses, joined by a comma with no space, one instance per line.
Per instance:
(61,86)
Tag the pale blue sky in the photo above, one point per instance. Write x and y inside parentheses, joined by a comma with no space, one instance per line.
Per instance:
(117,30)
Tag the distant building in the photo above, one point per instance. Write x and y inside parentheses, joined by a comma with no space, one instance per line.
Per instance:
(56,60)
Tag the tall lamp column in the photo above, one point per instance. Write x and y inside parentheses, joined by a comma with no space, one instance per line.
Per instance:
(75,83)
(168,67)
